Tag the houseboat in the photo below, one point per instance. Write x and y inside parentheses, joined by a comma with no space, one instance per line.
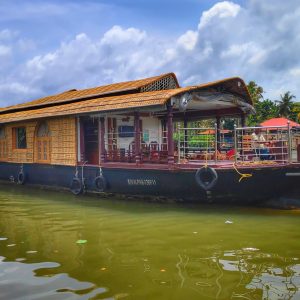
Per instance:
(149,137)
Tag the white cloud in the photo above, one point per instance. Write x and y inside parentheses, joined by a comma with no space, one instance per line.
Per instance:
(117,35)
(7,34)
(220,11)
(4,51)
(257,42)
(295,72)
(188,40)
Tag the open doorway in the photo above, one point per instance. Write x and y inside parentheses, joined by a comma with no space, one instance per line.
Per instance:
(91,141)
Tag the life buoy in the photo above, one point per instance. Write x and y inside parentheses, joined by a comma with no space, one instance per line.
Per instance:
(100,183)
(76,186)
(21,177)
(206,178)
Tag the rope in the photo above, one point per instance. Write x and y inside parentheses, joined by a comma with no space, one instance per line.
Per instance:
(243,176)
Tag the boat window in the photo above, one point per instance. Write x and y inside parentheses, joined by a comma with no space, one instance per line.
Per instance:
(43,149)
(20,138)
(2,133)
(43,130)
(3,145)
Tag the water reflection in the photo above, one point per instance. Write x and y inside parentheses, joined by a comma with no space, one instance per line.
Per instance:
(32,281)
(143,251)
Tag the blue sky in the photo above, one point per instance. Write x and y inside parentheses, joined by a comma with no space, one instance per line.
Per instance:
(50,46)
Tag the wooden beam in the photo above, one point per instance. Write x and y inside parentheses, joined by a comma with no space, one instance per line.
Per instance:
(192,115)
(170,134)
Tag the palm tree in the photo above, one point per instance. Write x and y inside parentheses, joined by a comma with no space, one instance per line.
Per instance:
(256,91)
(285,104)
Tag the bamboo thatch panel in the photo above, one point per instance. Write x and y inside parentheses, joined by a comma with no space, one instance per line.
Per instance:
(94,105)
(62,142)
(127,101)
(20,155)
(72,95)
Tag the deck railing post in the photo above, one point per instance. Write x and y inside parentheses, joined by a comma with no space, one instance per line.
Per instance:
(185,142)
(101,130)
(218,132)
(289,143)
(235,144)
(137,138)
(170,134)
(178,143)
(216,143)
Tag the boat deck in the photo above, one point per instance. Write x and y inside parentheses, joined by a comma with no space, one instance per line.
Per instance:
(225,164)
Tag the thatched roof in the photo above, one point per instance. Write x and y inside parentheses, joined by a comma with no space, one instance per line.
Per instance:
(100,91)
(61,104)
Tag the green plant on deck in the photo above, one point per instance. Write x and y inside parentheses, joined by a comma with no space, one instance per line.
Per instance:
(201,141)
(195,139)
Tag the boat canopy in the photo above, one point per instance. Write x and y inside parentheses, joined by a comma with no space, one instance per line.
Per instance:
(150,94)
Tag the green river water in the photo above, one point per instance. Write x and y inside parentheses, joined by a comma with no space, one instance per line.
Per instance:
(57,246)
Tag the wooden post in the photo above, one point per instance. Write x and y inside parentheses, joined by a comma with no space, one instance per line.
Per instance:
(243,120)
(178,142)
(101,140)
(217,142)
(170,134)
(82,145)
(289,143)
(218,133)
(164,136)
(137,138)
(185,144)
(235,144)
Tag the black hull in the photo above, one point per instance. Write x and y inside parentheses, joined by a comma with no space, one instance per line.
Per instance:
(265,182)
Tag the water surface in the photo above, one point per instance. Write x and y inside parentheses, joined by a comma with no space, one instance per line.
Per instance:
(56,246)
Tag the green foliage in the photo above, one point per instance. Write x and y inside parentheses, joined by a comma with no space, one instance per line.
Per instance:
(195,138)
(228,123)
(296,111)
(285,104)
(201,141)
(267,109)
(255,91)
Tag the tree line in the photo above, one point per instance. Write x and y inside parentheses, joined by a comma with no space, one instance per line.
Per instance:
(286,106)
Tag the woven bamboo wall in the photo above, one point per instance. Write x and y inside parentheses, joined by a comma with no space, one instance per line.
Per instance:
(20,155)
(63,142)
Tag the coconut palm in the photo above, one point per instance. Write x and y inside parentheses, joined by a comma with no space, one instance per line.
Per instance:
(285,104)
(255,91)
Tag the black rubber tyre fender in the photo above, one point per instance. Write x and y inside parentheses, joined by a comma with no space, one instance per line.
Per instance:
(21,178)
(206,178)
(100,183)
(76,186)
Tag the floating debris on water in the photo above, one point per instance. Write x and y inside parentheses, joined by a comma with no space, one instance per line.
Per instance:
(228,222)
(250,249)
(11,245)
(81,241)
(3,238)
(20,259)
(31,251)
